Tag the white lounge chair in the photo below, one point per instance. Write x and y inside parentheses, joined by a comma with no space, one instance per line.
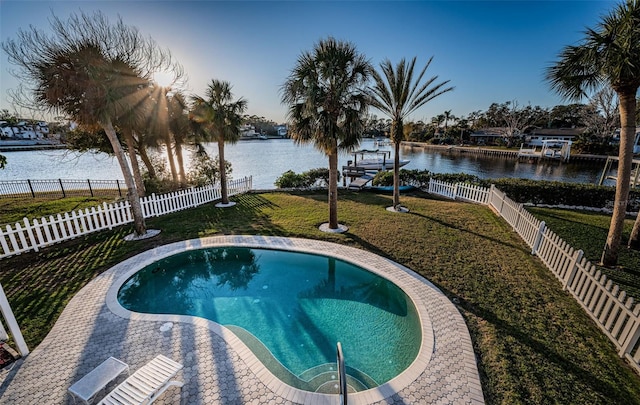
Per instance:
(146,384)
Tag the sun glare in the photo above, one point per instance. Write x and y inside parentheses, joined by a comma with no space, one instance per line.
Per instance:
(163,79)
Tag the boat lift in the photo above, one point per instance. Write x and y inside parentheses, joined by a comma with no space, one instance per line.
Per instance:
(557,149)
(634,179)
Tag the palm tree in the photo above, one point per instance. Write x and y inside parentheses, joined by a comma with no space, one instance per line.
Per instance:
(447,117)
(87,69)
(607,56)
(219,119)
(327,104)
(180,129)
(397,95)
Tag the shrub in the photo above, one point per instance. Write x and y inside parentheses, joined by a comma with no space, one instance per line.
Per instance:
(318,177)
(290,179)
(206,170)
(523,190)
(311,178)
(559,193)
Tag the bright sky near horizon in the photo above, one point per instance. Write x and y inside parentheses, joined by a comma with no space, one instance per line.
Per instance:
(490,51)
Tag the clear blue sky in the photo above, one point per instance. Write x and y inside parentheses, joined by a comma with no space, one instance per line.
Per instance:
(490,51)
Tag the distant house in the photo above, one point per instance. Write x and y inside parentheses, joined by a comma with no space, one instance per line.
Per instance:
(535,136)
(248,131)
(636,141)
(24,130)
(282,130)
(487,136)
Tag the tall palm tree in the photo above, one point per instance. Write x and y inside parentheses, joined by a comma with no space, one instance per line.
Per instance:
(327,104)
(607,56)
(447,117)
(90,87)
(219,119)
(397,95)
(87,69)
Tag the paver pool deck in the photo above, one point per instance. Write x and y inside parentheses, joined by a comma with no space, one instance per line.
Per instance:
(218,367)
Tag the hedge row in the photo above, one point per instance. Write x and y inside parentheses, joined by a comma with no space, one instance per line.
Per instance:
(524,190)
(539,192)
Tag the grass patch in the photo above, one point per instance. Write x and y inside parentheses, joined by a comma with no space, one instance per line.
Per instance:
(588,231)
(14,210)
(533,342)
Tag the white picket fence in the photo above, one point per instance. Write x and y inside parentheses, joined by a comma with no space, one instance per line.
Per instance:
(32,235)
(610,308)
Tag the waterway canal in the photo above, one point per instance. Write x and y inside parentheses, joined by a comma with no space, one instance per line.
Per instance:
(266,160)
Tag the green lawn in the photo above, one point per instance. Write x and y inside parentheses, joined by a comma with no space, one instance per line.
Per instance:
(588,231)
(534,343)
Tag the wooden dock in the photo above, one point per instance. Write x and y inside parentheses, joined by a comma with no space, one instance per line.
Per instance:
(360,182)
(358,177)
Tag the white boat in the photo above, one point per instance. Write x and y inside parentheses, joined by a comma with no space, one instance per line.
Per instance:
(375,160)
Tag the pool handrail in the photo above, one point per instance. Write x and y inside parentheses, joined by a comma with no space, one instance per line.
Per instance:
(342,377)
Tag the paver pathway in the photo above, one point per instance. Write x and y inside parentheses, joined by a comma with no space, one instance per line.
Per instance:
(218,367)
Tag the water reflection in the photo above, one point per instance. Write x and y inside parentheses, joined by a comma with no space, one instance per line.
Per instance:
(297,305)
(181,283)
(265,161)
(373,291)
(493,167)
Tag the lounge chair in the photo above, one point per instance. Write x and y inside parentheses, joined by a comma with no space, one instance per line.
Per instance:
(146,384)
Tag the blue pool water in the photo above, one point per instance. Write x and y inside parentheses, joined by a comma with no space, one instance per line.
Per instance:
(288,306)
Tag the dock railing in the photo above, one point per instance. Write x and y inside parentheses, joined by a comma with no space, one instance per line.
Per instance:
(32,235)
(606,304)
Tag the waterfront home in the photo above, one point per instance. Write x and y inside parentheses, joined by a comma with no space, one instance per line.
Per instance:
(537,136)
(24,130)
(487,136)
(281,130)
(636,142)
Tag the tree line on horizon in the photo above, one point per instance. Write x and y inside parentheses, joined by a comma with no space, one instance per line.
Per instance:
(598,119)
(101,75)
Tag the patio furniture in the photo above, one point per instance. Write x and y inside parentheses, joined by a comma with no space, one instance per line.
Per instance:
(88,386)
(146,384)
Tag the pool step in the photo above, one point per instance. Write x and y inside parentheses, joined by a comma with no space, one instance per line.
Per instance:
(324,379)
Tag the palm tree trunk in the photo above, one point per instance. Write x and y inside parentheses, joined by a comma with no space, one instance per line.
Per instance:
(223,174)
(627,135)
(172,163)
(397,136)
(133,158)
(181,172)
(396,177)
(132,193)
(634,239)
(333,189)
(147,162)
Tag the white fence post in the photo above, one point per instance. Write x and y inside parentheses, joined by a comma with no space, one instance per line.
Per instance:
(575,260)
(32,239)
(12,323)
(34,235)
(538,240)
(632,338)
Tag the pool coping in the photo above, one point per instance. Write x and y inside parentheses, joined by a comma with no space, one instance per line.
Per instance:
(216,371)
(419,290)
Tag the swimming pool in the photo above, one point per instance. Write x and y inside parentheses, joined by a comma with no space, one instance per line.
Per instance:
(290,308)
